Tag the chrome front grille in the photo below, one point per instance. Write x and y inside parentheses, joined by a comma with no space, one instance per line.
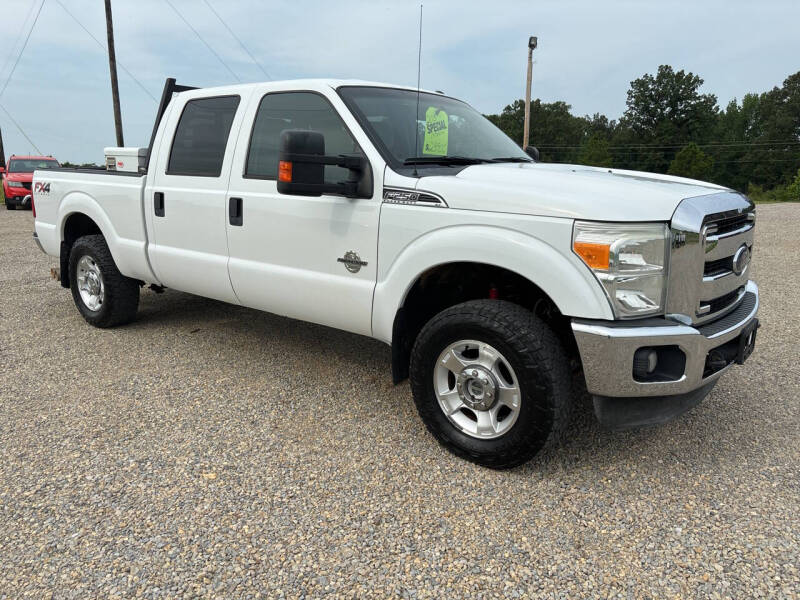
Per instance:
(712,240)
(727,225)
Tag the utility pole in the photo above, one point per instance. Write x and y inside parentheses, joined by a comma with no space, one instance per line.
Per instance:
(532,43)
(112,65)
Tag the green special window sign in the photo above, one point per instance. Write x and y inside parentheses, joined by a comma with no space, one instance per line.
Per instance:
(435,143)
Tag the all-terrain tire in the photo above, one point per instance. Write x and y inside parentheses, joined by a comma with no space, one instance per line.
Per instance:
(10,206)
(121,296)
(536,357)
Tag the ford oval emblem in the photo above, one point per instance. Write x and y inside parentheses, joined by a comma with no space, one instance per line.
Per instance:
(741,259)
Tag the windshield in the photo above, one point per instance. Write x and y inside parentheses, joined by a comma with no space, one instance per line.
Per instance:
(448,131)
(30,165)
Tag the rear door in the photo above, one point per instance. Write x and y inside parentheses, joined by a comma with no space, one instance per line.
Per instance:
(186,198)
(288,253)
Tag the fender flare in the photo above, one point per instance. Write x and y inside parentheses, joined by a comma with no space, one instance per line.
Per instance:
(126,253)
(558,273)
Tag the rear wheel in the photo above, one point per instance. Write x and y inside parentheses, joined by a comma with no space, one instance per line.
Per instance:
(491,382)
(103,295)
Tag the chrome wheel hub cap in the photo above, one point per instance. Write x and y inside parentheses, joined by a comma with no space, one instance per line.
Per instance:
(90,283)
(477,389)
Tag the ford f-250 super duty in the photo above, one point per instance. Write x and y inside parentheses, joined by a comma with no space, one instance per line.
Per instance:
(410,218)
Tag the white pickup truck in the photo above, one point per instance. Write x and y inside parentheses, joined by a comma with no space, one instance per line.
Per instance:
(498,281)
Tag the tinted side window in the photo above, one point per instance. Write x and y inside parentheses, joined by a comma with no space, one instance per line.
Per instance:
(202,134)
(296,110)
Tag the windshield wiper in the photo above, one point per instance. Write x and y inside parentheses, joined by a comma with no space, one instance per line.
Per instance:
(512,159)
(445,160)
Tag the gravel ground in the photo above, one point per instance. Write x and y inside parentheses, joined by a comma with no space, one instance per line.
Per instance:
(213,451)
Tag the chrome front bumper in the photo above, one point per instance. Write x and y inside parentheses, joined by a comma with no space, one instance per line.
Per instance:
(607,350)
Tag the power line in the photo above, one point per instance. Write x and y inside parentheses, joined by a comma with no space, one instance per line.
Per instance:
(710,151)
(236,37)
(765,160)
(19,35)
(668,147)
(99,43)
(22,50)
(189,25)
(22,131)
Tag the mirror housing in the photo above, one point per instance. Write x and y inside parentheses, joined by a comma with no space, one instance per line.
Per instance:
(533,152)
(2,170)
(301,167)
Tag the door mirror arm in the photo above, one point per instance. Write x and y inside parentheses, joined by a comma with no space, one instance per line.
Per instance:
(301,167)
(355,164)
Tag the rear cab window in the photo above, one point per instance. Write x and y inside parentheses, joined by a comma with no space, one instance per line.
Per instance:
(198,147)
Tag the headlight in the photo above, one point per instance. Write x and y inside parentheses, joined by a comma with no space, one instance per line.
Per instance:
(15,184)
(629,261)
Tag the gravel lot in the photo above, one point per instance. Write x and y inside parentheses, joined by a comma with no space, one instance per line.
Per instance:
(213,451)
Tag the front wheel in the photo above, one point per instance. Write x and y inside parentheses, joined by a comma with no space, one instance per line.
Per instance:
(103,295)
(10,206)
(491,382)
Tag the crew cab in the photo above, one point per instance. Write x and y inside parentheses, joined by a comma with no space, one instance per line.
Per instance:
(498,281)
(18,178)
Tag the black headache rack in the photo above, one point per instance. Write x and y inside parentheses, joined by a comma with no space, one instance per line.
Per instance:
(170,88)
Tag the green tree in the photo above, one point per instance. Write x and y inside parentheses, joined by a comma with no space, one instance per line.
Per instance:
(595,152)
(670,103)
(692,162)
(665,111)
(794,188)
(553,129)
(752,144)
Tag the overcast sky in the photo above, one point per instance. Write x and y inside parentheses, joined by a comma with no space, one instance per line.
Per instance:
(589,51)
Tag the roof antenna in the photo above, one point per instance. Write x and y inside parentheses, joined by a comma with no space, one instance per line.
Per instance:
(419,70)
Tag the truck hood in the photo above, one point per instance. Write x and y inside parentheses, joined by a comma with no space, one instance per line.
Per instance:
(21,177)
(571,191)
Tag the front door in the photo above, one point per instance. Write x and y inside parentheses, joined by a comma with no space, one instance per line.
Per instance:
(310,258)
(187,199)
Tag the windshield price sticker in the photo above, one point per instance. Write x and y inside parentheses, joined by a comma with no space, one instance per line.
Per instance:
(435,132)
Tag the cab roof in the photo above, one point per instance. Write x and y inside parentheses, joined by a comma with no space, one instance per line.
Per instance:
(13,156)
(306,83)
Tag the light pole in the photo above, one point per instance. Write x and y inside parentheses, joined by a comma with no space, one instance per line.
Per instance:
(532,43)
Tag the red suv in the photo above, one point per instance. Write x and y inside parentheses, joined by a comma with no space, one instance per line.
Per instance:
(17,179)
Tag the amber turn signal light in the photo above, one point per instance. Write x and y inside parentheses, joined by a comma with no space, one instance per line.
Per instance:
(596,256)
(285,171)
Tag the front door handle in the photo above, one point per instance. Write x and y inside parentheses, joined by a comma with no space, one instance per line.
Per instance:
(158,203)
(235,215)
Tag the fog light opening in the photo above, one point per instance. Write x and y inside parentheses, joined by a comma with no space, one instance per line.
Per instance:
(660,363)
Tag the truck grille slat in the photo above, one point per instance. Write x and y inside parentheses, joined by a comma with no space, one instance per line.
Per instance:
(728,224)
(721,302)
(718,267)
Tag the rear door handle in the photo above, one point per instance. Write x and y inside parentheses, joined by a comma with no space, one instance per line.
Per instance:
(235,215)
(158,203)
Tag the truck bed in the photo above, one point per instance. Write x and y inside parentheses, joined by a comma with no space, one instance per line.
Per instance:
(111,199)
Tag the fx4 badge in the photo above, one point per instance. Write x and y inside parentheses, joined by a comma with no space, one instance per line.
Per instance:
(41,188)
(352,261)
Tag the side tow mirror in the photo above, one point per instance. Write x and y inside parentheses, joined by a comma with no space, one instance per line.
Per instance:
(533,152)
(2,170)
(301,167)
